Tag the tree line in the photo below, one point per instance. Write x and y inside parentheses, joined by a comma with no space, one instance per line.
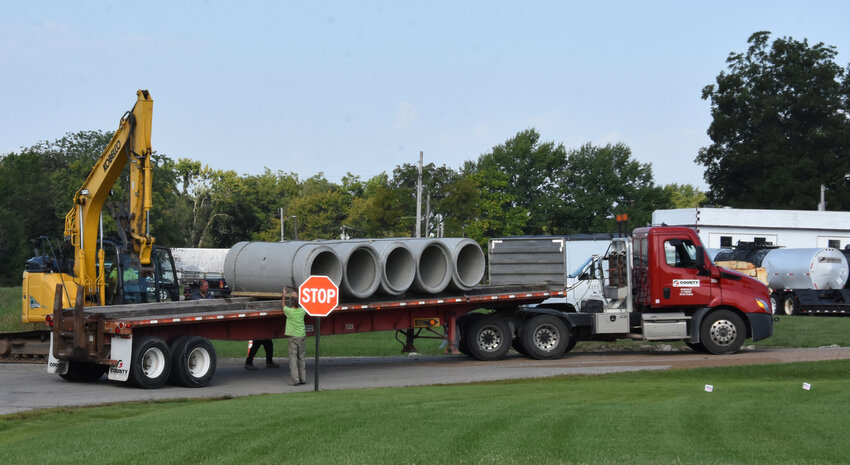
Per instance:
(524,186)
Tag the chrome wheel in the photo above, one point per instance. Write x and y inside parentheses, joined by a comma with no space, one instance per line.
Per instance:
(490,338)
(723,332)
(546,337)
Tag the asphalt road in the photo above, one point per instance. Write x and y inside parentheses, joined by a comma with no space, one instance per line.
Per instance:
(29,386)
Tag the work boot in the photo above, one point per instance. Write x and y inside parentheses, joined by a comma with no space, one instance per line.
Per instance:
(272,365)
(250,367)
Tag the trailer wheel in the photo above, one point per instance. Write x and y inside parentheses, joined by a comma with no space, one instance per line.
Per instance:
(790,305)
(193,361)
(174,346)
(545,337)
(462,326)
(722,332)
(151,364)
(488,338)
(81,372)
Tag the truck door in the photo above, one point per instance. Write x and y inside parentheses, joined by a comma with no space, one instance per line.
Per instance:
(164,286)
(679,281)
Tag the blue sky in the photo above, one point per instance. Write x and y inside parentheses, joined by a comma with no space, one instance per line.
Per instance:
(361,87)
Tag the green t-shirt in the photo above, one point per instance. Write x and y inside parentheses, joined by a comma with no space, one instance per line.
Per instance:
(294,322)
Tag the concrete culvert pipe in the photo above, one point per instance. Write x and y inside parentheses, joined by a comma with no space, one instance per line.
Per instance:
(270,266)
(433,265)
(398,267)
(468,262)
(361,266)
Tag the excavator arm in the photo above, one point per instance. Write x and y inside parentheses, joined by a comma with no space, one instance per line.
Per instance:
(130,144)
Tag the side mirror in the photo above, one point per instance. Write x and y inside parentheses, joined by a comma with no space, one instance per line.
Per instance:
(700,252)
(700,260)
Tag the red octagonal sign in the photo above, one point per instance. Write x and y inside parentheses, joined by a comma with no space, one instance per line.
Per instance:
(318,295)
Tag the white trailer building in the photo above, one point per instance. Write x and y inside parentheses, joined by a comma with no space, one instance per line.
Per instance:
(724,227)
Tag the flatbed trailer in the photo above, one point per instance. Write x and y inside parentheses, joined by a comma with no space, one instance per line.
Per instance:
(150,344)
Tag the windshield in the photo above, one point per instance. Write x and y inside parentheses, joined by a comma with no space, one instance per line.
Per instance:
(580,269)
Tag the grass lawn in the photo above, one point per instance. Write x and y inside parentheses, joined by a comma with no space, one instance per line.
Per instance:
(756,415)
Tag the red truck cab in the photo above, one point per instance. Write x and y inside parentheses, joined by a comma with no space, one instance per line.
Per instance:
(672,272)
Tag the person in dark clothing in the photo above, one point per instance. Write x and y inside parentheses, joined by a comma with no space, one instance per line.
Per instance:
(268,346)
(203,292)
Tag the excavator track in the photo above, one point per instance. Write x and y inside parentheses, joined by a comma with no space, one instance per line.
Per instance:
(25,346)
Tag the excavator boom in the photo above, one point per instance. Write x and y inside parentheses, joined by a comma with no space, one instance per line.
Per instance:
(130,144)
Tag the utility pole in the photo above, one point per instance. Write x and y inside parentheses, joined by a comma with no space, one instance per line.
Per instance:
(419,198)
(427,214)
(281,224)
(822,204)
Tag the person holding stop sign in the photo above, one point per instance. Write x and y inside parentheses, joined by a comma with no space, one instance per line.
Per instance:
(297,334)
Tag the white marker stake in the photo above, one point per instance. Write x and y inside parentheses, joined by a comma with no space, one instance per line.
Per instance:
(709,388)
(807,386)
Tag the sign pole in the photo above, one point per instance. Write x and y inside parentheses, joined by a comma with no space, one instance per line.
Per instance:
(318,296)
(316,369)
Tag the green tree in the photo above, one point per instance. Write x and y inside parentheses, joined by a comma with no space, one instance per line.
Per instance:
(497,214)
(779,127)
(684,196)
(533,169)
(439,188)
(37,186)
(597,183)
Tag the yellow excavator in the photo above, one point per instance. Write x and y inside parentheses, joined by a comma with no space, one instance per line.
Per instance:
(126,269)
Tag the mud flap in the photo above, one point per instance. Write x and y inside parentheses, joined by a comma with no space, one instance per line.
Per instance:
(122,352)
(54,365)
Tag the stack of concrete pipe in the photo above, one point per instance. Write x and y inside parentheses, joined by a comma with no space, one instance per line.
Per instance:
(361,267)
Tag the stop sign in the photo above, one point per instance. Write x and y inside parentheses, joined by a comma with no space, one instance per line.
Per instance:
(318,295)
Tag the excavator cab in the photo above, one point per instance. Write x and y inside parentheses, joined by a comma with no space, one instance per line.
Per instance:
(127,281)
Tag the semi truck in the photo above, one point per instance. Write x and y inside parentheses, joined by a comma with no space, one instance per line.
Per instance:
(660,284)
(810,281)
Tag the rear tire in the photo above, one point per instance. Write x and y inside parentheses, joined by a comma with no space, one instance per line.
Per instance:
(462,326)
(193,361)
(151,363)
(488,338)
(722,332)
(517,344)
(81,372)
(545,337)
(790,305)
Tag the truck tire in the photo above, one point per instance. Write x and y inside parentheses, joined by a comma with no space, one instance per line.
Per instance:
(545,337)
(81,372)
(696,347)
(151,363)
(174,345)
(571,343)
(488,337)
(722,332)
(517,344)
(462,326)
(193,361)
(790,305)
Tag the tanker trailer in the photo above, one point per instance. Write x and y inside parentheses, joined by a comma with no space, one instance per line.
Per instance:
(801,281)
